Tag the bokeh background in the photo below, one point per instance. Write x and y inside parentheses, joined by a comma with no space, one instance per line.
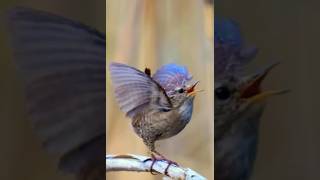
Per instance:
(21,154)
(150,33)
(285,31)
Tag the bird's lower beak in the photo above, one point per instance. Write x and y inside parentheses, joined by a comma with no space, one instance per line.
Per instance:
(191,90)
(251,90)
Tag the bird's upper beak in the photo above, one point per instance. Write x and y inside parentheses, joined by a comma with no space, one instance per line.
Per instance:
(191,90)
(251,90)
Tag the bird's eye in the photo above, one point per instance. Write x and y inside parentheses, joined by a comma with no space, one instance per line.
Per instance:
(181,90)
(222,93)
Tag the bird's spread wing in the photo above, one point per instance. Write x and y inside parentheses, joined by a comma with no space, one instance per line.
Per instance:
(62,63)
(134,90)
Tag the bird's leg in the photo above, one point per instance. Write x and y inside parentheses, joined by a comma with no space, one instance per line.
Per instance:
(157,153)
(156,156)
(162,158)
(154,160)
(150,145)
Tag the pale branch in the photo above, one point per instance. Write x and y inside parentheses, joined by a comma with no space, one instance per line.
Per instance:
(138,163)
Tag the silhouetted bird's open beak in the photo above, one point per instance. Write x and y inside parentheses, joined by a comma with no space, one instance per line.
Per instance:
(252,89)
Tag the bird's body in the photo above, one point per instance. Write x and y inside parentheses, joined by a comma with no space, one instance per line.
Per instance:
(159,106)
(152,125)
(236,145)
(239,104)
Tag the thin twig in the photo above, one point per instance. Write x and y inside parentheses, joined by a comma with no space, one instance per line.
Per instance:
(138,163)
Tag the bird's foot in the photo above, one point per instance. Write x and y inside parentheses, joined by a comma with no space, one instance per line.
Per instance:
(158,157)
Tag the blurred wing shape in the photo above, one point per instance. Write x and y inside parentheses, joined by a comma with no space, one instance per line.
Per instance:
(134,90)
(63,66)
(170,76)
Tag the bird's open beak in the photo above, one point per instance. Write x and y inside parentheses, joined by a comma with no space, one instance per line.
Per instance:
(251,90)
(191,90)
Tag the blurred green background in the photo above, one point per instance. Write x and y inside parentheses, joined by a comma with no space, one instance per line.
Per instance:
(21,154)
(150,33)
(285,31)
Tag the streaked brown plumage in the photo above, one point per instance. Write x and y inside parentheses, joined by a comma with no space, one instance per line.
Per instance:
(158,110)
(152,125)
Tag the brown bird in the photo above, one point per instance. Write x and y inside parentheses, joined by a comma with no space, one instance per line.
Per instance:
(159,106)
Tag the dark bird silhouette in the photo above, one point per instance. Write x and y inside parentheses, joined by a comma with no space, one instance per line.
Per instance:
(239,103)
(62,64)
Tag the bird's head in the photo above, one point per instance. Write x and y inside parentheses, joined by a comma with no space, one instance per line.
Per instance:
(177,82)
(183,93)
(236,96)
(241,96)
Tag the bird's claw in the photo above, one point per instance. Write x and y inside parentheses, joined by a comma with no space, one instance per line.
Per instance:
(151,167)
(169,164)
(161,158)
